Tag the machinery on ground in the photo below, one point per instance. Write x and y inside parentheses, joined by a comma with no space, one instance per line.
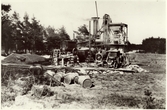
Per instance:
(68,46)
(111,58)
(110,45)
(67,55)
(85,55)
(110,41)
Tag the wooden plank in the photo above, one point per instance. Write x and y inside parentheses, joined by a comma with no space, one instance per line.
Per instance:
(67,68)
(24,66)
(103,69)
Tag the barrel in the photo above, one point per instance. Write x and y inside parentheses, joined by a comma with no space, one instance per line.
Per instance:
(59,76)
(50,75)
(50,72)
(84,81)
(69,78)
(36,70)
(76,79)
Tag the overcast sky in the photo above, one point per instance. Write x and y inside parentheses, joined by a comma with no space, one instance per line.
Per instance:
(145,18)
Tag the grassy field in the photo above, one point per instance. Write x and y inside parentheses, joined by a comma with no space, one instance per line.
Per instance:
(111,90)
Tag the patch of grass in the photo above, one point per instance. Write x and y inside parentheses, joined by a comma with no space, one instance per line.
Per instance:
(151,102)
(12,73)
(115,100)
(9,88)
(68,98)
(121,100)
(127,101)
(39,91)
(7,96)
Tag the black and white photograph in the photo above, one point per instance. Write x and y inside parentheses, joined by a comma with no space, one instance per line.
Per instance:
(83,54)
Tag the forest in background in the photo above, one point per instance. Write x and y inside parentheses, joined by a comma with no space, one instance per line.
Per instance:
(30,36)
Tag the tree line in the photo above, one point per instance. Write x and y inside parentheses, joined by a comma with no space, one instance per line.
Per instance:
(150,45)
(154,45)
(28,35)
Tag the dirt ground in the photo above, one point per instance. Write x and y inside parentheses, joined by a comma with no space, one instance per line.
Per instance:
(111,91)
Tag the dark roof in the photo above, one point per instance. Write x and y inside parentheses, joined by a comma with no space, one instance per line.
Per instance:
(83,42)
(69,41)
(118,24)
(95,18)
(109,44)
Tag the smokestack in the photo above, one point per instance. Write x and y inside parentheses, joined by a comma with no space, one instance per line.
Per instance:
(95,25)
